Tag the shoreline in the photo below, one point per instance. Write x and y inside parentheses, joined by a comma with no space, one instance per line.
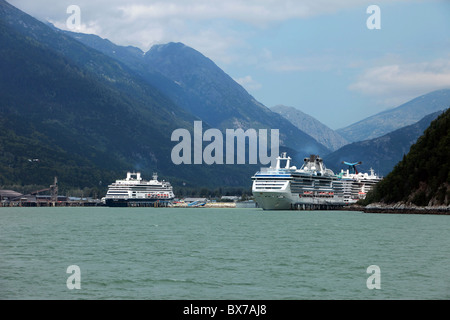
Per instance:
(399,208)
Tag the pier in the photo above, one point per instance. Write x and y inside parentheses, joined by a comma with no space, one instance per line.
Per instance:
(315,206)
(147,204)
(26,202)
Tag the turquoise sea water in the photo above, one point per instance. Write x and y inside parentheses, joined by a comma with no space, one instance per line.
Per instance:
(200,253)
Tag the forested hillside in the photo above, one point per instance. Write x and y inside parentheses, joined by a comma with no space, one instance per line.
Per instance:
(423,176)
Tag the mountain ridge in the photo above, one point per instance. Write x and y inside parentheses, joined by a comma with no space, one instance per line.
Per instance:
(381,153)
(205,90)
(316,129)
(87,108)
(398,117)
(77,105)
(116,114)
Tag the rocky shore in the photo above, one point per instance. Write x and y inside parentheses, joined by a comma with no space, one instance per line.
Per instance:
(403,208)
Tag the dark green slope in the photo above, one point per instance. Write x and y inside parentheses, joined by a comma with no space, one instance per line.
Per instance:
(86,117)
(59,112)
(29,155)
(423,176)
(110,72)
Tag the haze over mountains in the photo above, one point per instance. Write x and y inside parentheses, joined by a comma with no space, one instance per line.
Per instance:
(395,118)
(323,134)
(90,110)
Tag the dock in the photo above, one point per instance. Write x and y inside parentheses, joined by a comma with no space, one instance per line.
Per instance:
(67,203)
(315,206)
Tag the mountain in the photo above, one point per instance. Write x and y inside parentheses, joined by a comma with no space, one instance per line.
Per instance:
(199,86)
(323,134)
(401,116)
(382,153)
(423,176)
(82,114)
(70,111)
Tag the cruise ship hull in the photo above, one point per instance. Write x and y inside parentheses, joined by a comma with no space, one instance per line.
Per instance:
(136,192)
(136,202)
(282,200)
(311,187)
(273,201)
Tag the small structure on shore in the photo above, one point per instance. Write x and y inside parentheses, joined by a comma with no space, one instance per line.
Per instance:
(10,198)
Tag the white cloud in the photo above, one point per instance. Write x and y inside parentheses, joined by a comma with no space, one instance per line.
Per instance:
(257,12)
(397,83)
(248,83)
(143,23)
(91,28)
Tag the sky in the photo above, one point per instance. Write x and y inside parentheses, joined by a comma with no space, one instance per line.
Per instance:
(322,57)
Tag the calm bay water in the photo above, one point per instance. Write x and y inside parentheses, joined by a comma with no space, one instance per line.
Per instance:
(175,253)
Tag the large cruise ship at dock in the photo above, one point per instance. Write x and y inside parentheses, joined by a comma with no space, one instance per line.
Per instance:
(311,186)
(356,184)
(134,191)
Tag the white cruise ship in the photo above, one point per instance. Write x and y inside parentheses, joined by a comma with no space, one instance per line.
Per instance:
(134,191)
(357,184)
(312,186)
